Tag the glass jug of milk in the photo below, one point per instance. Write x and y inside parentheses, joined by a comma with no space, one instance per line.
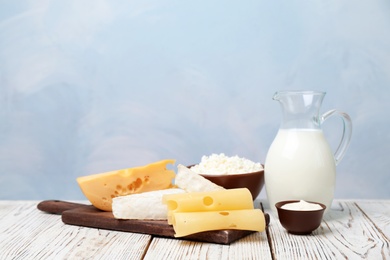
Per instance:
(300,164)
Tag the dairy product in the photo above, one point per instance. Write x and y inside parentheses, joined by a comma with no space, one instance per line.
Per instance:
(101,188)
(220,164)
(192,182)
(301,205)
(214,210)
(300,165)
(146,205)
(186,223)
(232,199)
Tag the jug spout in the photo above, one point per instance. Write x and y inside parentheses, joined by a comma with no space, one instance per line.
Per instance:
(306,95)
(279,95)
(300,109)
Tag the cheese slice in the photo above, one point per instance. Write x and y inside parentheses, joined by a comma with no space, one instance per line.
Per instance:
(101,188)
(229,199)
(192,182)
(187,223)
(146,205)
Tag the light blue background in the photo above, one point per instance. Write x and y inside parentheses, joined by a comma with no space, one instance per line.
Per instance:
(93,86)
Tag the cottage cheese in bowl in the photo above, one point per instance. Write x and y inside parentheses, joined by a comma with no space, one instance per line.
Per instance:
(220,164)
(231,172)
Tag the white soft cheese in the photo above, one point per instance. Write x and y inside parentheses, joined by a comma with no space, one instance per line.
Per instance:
(220,164)
(146,205)
(190,181)
(301,205)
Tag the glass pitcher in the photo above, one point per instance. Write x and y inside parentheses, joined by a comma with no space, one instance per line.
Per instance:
(300,164)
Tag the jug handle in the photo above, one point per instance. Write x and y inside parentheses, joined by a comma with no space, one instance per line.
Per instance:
(347,132)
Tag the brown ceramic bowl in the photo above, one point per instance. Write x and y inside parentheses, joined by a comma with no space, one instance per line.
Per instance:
(253,181)
(300,222)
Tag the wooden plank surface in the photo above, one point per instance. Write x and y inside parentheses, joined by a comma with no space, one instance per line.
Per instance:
(86,215)
(27,233)
(345,233)
(351,230)
(254,246)
(378,212)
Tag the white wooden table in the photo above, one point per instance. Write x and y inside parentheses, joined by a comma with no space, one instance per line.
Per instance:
(350,230)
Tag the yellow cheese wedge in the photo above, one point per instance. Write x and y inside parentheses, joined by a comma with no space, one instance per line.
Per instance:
(101,188)
(186,223)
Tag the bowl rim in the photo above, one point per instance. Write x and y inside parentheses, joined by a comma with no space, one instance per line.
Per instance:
(279,205)
(229,175)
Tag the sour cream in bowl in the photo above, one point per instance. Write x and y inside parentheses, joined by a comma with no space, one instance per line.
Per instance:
(300,217)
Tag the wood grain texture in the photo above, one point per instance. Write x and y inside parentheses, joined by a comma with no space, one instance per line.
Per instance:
(378,212)
(350,230)
(27,233)
(254,246)
(89,216)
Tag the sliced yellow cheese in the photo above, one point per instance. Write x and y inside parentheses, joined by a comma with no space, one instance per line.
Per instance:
(145,205)
(229,199)
(190,181)
(101,188)
(186,223)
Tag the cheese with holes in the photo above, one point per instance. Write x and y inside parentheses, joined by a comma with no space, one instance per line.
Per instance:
(228,199)
(146,205)
(187,223)
(101,188)
(192,182)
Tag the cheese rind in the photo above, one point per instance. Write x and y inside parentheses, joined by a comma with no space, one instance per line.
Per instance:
(101,188)
(192,182)
(186,223)
(146,205)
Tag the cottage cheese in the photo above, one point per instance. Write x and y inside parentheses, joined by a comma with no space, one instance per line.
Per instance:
(220,164)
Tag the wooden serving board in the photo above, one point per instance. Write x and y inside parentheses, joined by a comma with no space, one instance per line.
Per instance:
(89,216)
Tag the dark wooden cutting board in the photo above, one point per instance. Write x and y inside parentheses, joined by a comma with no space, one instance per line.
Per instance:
(89,216)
